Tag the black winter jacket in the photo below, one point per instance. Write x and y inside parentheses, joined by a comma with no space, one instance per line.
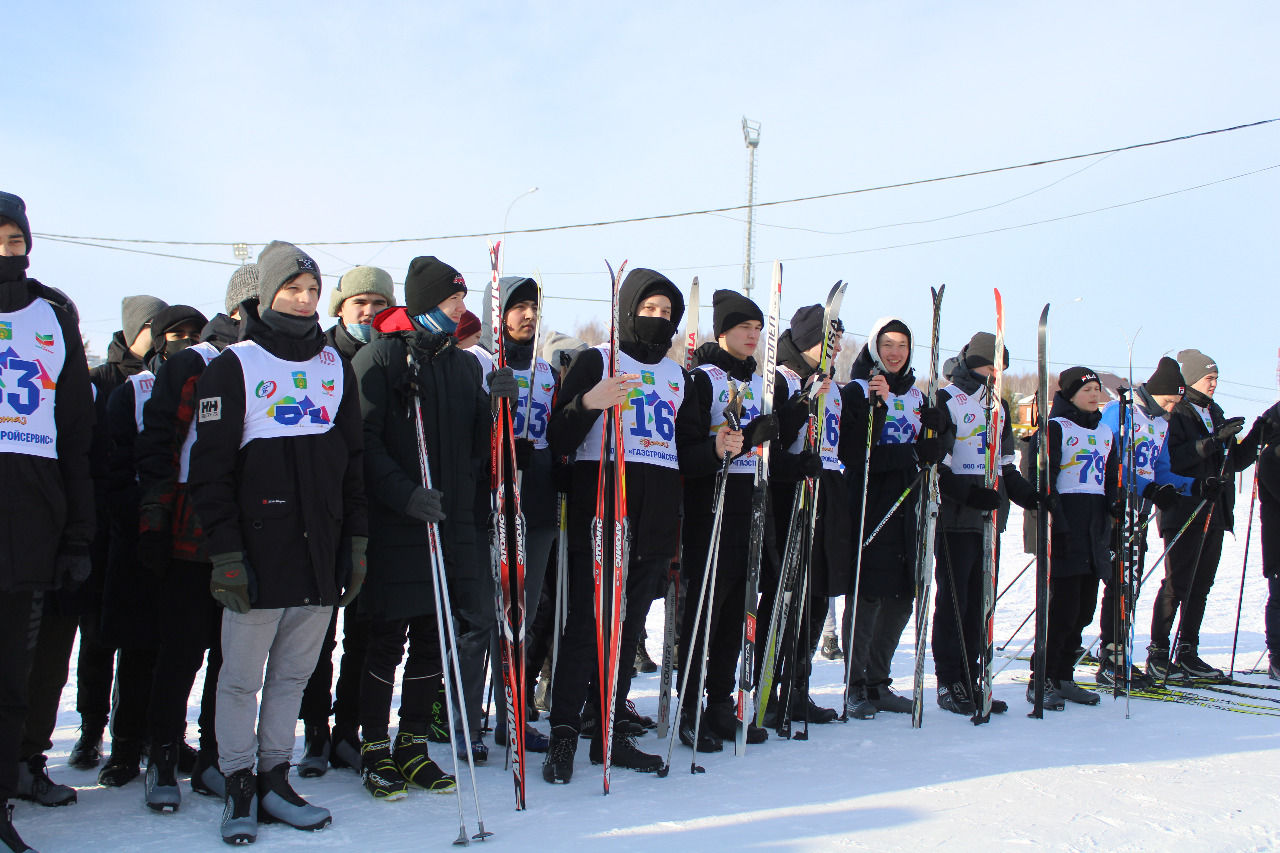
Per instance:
(1185,429)
(1269,490)
(48,504)
(286,503)
(455,412)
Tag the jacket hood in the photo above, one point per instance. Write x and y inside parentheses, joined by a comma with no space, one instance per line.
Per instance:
(868,359)
(1150,407)
(508,286)
(222,331)
(961,376)
(790,355)
(639,284)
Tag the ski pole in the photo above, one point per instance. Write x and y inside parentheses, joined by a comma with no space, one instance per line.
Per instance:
(1010,584)
(562,584)
(1235,637)
(857,564)
(901,498)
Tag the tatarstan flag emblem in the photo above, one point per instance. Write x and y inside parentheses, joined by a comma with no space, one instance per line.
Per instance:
(44,340)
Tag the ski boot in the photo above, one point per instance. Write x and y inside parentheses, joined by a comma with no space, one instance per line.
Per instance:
(643,662)
(858,706)
(315,756)
(279,803)
(1053,701)
(803,709)
(206,778)
(124,765)
(1194,666)
(35,785)
(708,741)
(161,786)
(954,697)
(625,754)
(240,811)
(9,837)
(721,719)
(558,765)
(1159,668)
(344,750)
(379,772)
(416,766)
(87,753)
(885,699)
(1072,692)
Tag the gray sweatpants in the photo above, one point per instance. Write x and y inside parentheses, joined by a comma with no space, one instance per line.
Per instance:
(284,641)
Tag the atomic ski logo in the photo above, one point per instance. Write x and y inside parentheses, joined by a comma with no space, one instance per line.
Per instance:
(265,389)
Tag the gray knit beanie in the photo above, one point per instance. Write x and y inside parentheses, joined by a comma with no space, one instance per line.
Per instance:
(362,280)
(243,285)
(136,312)
(279,264)
(1195,365)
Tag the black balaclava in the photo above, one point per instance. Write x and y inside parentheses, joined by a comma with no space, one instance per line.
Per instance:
(168,319)
(647,339)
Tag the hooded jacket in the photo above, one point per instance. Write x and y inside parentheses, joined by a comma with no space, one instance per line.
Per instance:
(48,504)
(286,502)
(1185,429)
(888,563)
(445,384)
(651,489)
(1081,530)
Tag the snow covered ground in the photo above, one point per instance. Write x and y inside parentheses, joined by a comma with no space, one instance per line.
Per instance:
(1169,777)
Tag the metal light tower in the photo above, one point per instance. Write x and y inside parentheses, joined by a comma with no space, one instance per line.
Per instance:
(751,136)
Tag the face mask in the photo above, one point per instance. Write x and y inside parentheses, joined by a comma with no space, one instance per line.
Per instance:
(655,331)
(437,321)
(362,332)
(14,267)
(172,348)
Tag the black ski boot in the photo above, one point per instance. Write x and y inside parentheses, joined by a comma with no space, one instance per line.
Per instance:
(803,709)
(954,697)
(998,706)
(124,765)
(1159,668)
(709,740)
(344,750)
(279,803)
(858,705)
(87,753)
(722,718)
(1191,663)
(8,835)
(161,788)
(886,700)
(624,753)
(1072,692)
(379,772)
(206,778)
(240,808)
(315,757)
(558,765)
(416,766)
(1052,700)
(35,785)
(1273,668)
(187,758)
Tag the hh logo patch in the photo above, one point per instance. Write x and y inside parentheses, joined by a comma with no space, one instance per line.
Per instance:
(210,409)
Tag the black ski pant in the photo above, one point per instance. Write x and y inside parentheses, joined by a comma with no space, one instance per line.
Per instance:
(189,624)
(346,695)
(421,680)
(540,543)
(957,646)
(724,607)
(20,614)
(1271,616)
(881,621)
(578,664)
(95,670)
(1111,587)
(131,700)
(1186,585)
(538,636)
(1072,601)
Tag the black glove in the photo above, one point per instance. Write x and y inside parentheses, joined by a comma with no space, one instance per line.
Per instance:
(73,566)
(759,430)
(426,505)
(809,463)
(1059,516)
(502,386)
(928,451)
(1208,488)
(1116,510)
(931,418)
(1030,500)
(1229,429)
(229,582)
(1162,496)
(155,539)
(562,476)
(980,497)
(524,453)
(354,568)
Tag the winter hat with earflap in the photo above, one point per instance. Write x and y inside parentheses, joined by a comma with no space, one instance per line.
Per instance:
(278,264)
(243,285)
(1167,379)
(360,280)
(729,308)
(1195,365)
(1071,380)
(136,312)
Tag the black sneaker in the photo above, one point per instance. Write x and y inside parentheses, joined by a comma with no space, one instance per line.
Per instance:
(87,753)
(557,767)
(954,697)
(124,765)
(858,705)
(1194,666)
(410,754)
(886,700)
(35,785)
(625,754)
(629,713)
(378,771)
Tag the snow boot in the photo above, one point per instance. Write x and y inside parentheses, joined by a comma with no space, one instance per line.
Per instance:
(858,705)
(206,778)
(721,719)
(558,765)
(954,697)
(625,754)
(1053,701)
(279,803)
(124,765)
(627,711)
(344,751)
(886,700)
(35,785)
(8,835)
(709,738)
(1072,692)
(379,772)
(1159,668)
(315,757)
(240,809)
(161,787)
(644,663)
(1194,666)
(87,753)
(416,766)
(804,709)
(831,648)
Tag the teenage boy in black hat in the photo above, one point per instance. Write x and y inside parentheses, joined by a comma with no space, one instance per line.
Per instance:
(1202,446)
(48,496)
(277,480)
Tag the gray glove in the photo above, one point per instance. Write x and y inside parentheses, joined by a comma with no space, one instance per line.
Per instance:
(503,386)
(426,505)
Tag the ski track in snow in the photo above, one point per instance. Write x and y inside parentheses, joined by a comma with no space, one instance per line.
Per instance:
(1171,777)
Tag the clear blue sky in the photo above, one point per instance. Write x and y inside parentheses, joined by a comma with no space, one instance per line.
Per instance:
(327,121)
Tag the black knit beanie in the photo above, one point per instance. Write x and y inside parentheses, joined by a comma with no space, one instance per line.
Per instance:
(429,282)
(13,207)
(806,327)
(1167,380)
(1071,380)
(729,308)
